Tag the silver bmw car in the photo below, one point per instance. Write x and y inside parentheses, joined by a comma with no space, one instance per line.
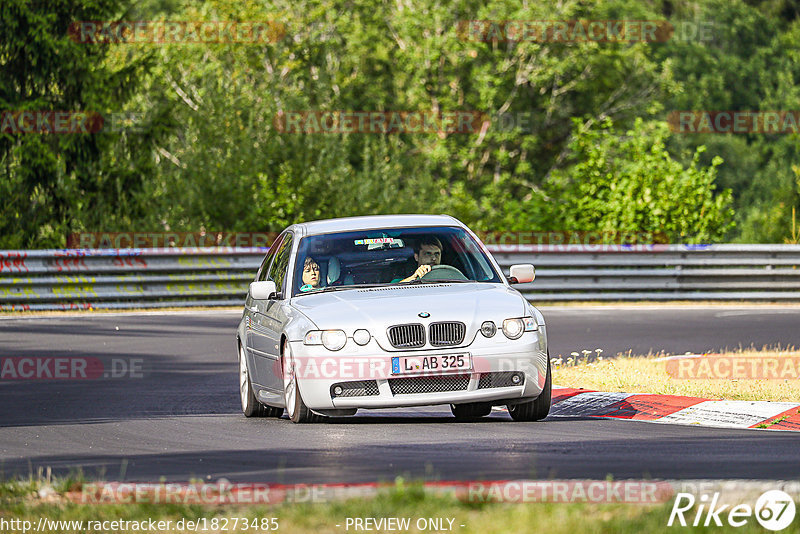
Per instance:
(385,312)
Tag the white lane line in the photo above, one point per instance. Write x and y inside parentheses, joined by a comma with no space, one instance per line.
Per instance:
(756,312)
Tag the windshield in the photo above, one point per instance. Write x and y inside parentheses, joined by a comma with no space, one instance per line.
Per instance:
(389,256)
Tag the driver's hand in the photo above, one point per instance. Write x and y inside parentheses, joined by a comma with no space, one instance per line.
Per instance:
(421,271)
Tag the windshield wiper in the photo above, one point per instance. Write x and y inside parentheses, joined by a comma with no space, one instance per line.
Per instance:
(337,288)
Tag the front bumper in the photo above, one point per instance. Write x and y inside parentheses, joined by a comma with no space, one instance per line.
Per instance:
(365,374)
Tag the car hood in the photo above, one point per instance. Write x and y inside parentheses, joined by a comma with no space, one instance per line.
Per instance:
(378,308)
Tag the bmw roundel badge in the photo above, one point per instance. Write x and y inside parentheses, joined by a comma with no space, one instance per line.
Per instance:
(424,315)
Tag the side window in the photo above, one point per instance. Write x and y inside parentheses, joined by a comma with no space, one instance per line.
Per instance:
(264,269)
(277,272)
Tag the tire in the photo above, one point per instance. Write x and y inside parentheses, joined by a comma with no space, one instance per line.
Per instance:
(538,408)
(471,411)
(251,407)
(295,407)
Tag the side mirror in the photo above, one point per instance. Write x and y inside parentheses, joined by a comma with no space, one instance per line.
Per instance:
(263,290)
(522,274)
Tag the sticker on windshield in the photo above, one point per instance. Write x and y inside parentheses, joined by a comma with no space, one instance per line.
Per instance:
(377,241)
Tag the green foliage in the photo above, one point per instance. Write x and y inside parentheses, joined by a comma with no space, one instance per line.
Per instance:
(208,155)
(53,183)
(630,183)
(750,64)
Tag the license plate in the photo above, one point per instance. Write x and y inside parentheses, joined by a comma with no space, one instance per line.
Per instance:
(439,363)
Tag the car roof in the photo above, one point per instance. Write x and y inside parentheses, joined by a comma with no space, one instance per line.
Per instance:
(372,222)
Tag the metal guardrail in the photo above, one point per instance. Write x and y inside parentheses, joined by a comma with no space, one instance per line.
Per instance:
(659,272)
(136,278)
(126,278)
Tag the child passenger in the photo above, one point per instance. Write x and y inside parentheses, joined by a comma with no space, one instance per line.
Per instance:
(311,278)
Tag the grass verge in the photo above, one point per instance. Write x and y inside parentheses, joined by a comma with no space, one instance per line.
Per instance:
(23,501)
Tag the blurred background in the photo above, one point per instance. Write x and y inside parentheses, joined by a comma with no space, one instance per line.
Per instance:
(595,152)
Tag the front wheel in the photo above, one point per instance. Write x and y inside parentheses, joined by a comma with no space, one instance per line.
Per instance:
(250,405)
(295,407)
(538,408)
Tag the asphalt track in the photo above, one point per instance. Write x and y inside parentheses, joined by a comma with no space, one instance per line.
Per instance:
(181,419)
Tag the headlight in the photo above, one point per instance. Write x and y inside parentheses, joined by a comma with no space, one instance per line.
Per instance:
(361,336)
(331,339)
(514,328)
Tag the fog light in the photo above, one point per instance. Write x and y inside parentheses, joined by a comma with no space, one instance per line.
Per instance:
(515,378)
(337,390)
(361,336)
(488,329)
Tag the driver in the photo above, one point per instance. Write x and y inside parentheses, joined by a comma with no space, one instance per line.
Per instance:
(427,253)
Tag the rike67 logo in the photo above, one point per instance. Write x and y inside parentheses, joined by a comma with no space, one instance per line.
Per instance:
(774,510)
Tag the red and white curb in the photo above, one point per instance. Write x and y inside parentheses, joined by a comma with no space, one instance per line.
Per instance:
(570,402)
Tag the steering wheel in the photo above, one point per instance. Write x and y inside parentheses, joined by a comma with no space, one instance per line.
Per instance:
(443,272)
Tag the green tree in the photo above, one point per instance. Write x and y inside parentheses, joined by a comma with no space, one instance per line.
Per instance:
(208,154)
(53,183)
(750,63)
(230,168)
(630,183)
